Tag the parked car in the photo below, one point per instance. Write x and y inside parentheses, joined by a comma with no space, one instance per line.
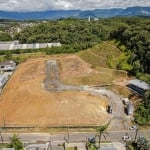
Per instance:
(109,109)
(133,127)
(91,139)
(126,138)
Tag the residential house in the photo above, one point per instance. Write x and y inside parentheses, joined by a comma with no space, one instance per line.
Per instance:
(7,66)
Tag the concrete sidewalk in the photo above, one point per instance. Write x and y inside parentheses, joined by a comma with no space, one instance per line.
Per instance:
(119,146)
(81,146)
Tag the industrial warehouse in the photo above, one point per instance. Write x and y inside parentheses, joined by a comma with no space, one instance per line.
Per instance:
(15,45)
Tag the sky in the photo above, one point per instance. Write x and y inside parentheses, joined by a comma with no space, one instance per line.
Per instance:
(40,5)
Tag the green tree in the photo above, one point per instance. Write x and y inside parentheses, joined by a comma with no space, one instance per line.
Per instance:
(142,144)
(15,143)
(147,99)
(5,36)
(142,115)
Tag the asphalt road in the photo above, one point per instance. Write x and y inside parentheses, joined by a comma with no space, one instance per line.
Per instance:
(72,137)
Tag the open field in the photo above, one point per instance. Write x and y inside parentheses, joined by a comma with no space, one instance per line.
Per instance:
(25,102)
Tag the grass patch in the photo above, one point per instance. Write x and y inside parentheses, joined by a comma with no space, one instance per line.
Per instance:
(3,145)
(92,59)
(70,148)
(104,76)
(19,58)
(104,54)
(96,79)
(120,90)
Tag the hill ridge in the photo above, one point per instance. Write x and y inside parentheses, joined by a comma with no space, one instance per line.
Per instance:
(96,13)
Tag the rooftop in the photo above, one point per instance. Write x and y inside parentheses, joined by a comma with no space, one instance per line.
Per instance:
(12,45)
(139,83)
(8,62)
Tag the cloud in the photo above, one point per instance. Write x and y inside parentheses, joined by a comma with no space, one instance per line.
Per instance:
(39,5)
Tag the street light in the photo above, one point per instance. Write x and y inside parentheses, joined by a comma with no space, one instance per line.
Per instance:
(50,144)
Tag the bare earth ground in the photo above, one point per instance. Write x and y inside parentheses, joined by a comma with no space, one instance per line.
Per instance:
(24,101)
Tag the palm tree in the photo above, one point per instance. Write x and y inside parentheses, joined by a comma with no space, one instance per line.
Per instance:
(15,143)
(50,143)
(101,131)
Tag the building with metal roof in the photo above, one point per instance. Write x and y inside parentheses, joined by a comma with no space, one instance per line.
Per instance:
(15,45)
(138,86)
(8,65)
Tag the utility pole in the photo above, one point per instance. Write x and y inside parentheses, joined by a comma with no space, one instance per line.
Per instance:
(4,123)
(50,144)
(1,137)
(68,137)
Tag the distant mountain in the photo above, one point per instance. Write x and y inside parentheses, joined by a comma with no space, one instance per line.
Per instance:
(97,13)
(52,14)
(136,11)
(100,13)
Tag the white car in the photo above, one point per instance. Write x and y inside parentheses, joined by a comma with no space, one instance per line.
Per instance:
(126,138)
(133,127)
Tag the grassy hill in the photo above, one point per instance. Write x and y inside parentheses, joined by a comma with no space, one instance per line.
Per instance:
(103,59)
(104,54)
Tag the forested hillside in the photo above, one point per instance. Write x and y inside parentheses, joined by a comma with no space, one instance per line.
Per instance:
(132,36)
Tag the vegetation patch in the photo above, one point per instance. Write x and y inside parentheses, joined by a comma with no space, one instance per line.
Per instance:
(103,54)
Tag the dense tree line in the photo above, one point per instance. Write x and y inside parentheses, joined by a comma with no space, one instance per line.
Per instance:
(67,31)
(142,115)
(135,35)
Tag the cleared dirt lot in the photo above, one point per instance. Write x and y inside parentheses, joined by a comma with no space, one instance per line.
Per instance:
(24,100)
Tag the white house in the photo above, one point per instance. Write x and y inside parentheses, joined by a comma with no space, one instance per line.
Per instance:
(7,66)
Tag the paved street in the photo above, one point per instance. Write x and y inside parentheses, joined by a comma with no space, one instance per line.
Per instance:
(72,137)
